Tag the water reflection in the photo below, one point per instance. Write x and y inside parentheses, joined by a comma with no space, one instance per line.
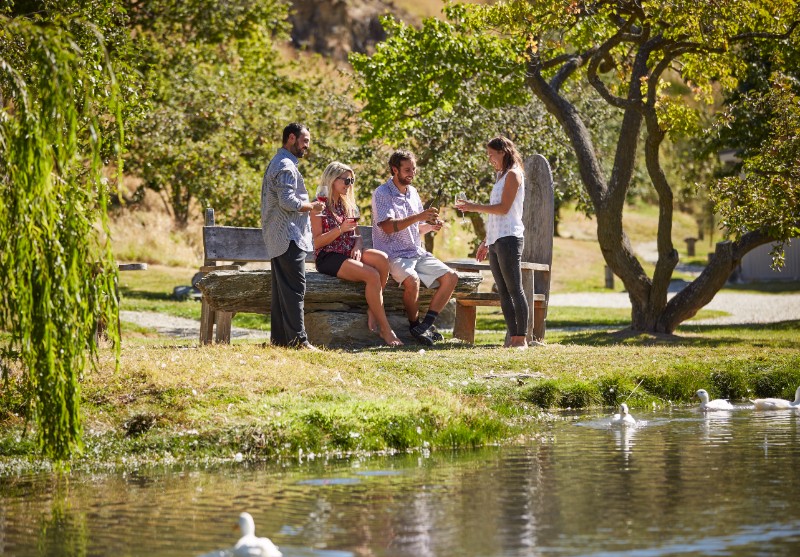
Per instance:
(679,482)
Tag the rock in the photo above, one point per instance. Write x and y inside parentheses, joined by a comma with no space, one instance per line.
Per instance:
(447,317)
(335,310)
(335,28)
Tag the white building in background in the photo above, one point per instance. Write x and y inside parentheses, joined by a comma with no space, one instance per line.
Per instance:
(757,264)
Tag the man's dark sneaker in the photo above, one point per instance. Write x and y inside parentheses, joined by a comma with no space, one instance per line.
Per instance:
(422,334)
(435,335)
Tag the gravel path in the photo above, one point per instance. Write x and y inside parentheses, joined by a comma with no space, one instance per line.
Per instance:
(743,308)
(180,327)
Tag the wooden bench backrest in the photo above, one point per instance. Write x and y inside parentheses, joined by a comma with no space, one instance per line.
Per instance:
(239,243)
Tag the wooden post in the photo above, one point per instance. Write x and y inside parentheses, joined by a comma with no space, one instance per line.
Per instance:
(609,278)
(207,315)
(690,246)
(538,217)
(464,327)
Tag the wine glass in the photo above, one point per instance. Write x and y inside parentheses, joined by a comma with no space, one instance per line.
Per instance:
(461,196)
(353,215)
(322,195)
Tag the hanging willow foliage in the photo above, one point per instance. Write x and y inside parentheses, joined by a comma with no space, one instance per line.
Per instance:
(57,274)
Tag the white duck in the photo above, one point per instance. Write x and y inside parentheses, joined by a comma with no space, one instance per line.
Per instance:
(623,418)
(712,405)
(248,545)
(251,546)
(777,403)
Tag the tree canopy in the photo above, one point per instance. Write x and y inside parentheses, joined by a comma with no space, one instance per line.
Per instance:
(630,53)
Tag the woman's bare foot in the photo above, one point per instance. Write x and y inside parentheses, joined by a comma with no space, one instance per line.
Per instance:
(518,342)
(372,323)
(391,339)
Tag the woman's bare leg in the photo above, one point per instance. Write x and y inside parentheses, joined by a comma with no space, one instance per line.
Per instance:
(378,260)
(360,271)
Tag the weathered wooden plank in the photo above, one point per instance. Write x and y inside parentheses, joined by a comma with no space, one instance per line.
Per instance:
(475,266)
(539,219)
(489,299)
(132,266)
(234,243)
(250,291)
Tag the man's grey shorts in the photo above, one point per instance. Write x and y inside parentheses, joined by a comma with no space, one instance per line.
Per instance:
(426,267)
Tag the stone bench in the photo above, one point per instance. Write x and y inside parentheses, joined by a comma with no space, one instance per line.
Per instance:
(335,309)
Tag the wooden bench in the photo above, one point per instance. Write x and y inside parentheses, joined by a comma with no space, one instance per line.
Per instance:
(335,310)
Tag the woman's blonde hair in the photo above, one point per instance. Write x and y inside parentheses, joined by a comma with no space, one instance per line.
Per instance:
(333,171)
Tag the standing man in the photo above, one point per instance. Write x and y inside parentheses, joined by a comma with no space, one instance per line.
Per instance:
(287,232)
(399,219)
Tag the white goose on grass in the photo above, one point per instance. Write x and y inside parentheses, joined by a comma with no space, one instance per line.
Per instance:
(624,417)
(248,545)
(777,403)
(712,405)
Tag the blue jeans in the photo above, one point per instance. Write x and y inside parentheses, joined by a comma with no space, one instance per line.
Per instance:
(505,258)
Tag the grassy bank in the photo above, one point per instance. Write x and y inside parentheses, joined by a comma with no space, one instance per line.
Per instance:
(176,402)
(179,402)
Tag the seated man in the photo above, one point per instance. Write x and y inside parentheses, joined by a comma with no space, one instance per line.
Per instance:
(398,221)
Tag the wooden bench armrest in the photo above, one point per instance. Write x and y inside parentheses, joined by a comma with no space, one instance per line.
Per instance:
(475,266)
(489,299)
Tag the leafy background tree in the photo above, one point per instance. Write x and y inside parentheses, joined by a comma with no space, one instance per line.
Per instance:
(215,95)
(402,108)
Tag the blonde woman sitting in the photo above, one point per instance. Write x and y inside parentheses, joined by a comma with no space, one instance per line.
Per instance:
(339,249)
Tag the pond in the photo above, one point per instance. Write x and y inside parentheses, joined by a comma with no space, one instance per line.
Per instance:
(679,483)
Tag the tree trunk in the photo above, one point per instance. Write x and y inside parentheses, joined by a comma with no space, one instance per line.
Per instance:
(650,310)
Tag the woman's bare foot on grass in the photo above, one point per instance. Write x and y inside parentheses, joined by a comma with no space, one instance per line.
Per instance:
(518,342)
(391,339)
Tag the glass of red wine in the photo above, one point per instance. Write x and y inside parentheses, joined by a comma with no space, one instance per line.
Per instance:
(322,195)
(353,215)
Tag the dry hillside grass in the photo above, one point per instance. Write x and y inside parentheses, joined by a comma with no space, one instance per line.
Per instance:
(146,233)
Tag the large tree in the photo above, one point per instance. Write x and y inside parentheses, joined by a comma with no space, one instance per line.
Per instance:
(630,53)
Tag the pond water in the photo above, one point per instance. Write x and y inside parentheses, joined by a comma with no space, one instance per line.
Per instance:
(680,483)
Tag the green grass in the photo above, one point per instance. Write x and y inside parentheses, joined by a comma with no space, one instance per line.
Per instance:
(559,317)
(177,401)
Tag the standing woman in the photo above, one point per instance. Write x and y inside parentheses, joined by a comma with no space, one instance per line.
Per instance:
(504,235)
(339,251)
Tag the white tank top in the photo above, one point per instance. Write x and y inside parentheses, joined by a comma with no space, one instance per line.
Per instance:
(510,224)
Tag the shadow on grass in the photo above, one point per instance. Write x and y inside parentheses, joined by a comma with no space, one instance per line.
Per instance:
(145,295)
(701,335)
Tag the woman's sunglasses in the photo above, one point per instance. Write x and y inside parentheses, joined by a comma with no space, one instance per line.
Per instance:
(348,181)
